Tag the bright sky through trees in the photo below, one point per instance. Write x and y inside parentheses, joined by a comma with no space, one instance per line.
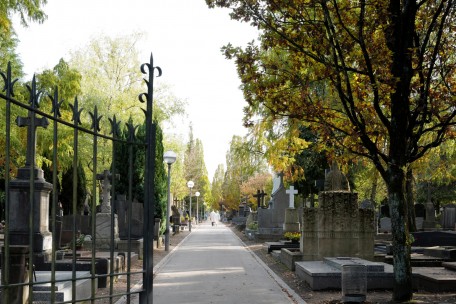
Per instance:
(185,38)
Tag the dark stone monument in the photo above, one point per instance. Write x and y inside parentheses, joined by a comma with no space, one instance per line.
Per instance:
(271,220)
(23,204)
(260,198)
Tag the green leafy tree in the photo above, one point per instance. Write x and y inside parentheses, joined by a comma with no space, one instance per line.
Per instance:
(362,74)
(241,164)
(26,9)
(178,182)
(216,188)
(195,168)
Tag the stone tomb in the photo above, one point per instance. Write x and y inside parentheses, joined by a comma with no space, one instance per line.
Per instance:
(271,220)
(326,274)
(337,228)
(448,217)
(63,286)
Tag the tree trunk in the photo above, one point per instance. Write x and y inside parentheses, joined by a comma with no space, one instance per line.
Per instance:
(401,246)
(410,201)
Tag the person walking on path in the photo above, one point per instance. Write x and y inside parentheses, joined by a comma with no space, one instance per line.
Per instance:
(214,217)
(212,265)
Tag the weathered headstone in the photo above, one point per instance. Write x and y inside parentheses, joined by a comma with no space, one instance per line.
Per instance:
(337,228)
(103,218)
(429,222)
(385,225)
(448,217)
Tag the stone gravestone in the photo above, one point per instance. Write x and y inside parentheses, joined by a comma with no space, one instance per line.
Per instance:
(103,218)
(337,227)
(429,222)
(420,214)
(385,225)
(448,217)
(121,209)
(291,223)
(21,207)
(270,221)
(367,204)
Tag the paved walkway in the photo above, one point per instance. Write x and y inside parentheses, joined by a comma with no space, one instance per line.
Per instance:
(212,265)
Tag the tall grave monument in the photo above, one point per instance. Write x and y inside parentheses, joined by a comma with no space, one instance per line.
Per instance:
(338,227)
(271,220)
(104,223)
(23,205)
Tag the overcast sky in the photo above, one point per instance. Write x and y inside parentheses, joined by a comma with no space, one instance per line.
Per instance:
(185,37)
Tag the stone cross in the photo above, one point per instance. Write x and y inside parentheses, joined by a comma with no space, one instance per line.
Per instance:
(292,193)
(260,197)
(105,177)
(31,134)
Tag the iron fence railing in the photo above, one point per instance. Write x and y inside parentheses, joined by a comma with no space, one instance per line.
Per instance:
(35,265)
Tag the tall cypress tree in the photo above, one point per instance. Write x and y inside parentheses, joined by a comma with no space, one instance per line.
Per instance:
(66,194)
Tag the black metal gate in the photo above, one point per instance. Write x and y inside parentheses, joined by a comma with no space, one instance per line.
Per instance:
(37,266)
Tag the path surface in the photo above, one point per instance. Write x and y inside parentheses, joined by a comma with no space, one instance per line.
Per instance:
(212,266)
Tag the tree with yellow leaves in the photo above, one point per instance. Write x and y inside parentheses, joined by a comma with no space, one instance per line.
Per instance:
(364,75)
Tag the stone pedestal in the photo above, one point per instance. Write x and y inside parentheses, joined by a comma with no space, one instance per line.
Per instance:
(337,228)
(291,220)
(103,231)
(18,273)
(21,208)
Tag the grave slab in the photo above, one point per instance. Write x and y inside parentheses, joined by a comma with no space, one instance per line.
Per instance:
(326,274)
(63,290)
(434,279)
(279,245)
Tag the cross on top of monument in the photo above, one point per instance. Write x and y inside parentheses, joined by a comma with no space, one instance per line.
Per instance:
(106,177)
(292,193)
(31,134)
(259,196)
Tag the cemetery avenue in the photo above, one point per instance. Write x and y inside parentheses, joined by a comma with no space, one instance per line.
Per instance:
(212,265)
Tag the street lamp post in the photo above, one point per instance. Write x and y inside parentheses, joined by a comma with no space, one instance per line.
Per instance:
(190,185)
(197,194)
(169,158)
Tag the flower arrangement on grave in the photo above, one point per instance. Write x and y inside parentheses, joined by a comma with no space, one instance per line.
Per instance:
(80,241)
(292,236)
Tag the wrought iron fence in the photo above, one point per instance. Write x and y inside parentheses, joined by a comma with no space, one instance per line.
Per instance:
(35,265)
